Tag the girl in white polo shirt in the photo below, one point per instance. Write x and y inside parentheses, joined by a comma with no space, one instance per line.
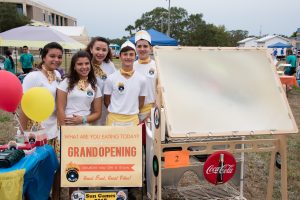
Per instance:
(48,77)
(124,91)
(101,55)
(78,96)
(146,66)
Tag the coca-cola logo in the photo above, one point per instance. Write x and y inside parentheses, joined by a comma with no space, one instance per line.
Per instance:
(226,169)
(219,167)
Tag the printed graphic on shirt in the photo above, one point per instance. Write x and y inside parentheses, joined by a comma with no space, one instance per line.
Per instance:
(121,87)
(103,77)
(151,71)
(90,93)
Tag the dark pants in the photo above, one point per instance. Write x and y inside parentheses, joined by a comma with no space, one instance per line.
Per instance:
(26,70)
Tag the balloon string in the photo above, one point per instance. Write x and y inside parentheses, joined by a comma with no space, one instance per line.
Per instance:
(17,118)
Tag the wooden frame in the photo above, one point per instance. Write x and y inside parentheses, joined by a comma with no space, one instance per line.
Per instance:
(278,143)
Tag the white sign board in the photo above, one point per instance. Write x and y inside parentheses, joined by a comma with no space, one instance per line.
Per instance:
(106,156)
(221,92)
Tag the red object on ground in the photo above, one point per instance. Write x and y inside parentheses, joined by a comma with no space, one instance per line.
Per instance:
(219,167)
(289,80)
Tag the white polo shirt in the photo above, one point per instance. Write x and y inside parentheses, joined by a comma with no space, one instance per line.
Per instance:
(38,79)
(108,69)
(125,92)
(79,102)
(150,72)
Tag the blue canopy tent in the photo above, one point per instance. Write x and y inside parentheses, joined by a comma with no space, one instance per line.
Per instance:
(280,45)
(158,38)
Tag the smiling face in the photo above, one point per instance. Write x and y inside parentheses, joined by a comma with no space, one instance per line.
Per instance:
(83,67)
(53,59)
(143,49)
(99,51)
(127,58)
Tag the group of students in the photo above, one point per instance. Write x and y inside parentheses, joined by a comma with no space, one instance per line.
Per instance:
(94,92)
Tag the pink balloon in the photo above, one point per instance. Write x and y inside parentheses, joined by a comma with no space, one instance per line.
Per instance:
(10,91)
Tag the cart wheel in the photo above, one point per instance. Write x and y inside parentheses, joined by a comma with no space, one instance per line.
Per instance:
(278,160)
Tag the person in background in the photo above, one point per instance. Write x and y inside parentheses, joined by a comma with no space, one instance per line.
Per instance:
(26,60)
(101,55)
(61,71)
(282,52)
(298,74)
(292,60)
(146,66)
(78,96)
(275,52)
(9,64)
(124,91)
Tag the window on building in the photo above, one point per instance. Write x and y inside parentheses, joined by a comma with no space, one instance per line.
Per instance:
(61,21)
(57,21)
(44,15)
(52,19)
(19,9)
(49,18)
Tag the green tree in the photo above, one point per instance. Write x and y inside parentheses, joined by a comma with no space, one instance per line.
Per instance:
(178,23)
(158,19)
(189,30)
(118,41)
(237,35)
(10,18)
(294,34)
(152,19)
(199,33)
(129,28)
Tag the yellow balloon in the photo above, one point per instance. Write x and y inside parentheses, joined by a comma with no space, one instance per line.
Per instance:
(38,104)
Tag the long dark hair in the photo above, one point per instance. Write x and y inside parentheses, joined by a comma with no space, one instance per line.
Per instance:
(90,45)
(74,77)
(8,54)
(45,50)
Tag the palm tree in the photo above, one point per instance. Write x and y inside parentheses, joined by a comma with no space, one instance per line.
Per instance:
(129,28)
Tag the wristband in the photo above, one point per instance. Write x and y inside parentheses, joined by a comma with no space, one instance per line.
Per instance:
(84,119)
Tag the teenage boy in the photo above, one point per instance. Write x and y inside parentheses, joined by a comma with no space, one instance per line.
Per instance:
(146,66)
(26,60)
(124,90)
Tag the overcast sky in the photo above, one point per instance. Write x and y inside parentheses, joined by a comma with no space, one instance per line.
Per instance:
(109,18)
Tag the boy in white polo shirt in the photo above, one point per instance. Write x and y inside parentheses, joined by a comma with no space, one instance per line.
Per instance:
(124,91)
(146,66)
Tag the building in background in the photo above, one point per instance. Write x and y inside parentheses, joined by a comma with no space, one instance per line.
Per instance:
(78,33)
(271,39)
(39,12)
(248,42)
